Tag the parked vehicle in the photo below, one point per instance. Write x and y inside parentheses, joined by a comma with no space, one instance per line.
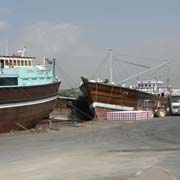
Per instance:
(159,109)
(175,102)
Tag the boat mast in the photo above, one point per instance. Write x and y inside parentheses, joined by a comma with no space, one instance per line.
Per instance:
(54,65)
(110,65)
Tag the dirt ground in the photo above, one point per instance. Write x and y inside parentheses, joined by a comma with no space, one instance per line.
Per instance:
(96,150)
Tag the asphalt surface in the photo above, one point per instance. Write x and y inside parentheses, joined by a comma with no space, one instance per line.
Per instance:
(97,150)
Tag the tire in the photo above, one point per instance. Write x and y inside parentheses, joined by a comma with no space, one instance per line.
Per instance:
(161,113)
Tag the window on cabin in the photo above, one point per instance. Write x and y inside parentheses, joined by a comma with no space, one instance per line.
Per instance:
(145,103)
(14,62)
(1,63)
(29,63)
(6,63)
(22,63)
(25,63)
(10,81)
(18,62)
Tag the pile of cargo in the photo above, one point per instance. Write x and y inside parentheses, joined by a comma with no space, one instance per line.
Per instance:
(130,115)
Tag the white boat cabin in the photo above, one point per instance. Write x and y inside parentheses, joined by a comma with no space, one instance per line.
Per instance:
(152,86)
(16,61)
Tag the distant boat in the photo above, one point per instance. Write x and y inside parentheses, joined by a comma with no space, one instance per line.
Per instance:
(28,92)
(106,96)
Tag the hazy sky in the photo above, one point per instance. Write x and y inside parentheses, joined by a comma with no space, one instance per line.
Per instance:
(79,32)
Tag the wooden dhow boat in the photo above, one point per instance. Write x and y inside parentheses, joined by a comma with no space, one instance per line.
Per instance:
(104,97)
(28,92)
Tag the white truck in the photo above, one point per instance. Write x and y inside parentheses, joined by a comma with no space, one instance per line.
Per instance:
(175,101)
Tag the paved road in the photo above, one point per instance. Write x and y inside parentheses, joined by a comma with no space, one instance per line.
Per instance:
(92,151)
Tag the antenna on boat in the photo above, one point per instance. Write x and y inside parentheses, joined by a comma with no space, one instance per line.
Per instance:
(7,47)
(110,65)
(23,51)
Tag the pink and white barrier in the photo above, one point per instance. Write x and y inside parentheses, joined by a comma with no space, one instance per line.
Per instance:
(130,115)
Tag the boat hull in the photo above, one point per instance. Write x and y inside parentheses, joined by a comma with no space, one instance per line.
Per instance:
(28,106)
(114,98)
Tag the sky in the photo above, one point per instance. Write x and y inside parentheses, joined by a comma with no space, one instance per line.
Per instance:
(78,33)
